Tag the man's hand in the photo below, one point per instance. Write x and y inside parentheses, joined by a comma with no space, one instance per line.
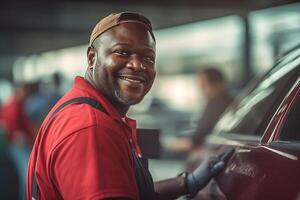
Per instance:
(210,167)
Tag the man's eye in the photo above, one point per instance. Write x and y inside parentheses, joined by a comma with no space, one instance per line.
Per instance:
(149,59)
(122,52)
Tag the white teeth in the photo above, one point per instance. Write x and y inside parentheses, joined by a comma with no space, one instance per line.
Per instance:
(130,80)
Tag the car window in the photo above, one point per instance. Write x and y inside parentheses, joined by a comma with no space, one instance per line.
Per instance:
(251,114)
(291,128)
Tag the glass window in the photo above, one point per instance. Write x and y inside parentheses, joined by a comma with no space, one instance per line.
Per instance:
(291,127)
(251,114)
(273,32)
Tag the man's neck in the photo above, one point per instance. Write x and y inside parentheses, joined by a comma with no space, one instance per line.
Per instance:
(122,109)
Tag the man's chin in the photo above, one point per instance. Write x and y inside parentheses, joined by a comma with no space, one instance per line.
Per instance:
(129,101)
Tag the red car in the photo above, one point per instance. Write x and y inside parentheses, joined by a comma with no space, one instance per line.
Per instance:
(264,129)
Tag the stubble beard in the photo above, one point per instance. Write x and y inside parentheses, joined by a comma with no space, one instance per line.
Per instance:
(123,100)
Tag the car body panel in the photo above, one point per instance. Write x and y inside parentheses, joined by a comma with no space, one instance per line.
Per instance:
(263,167)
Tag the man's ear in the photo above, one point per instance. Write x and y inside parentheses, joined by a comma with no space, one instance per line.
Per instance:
(91,57)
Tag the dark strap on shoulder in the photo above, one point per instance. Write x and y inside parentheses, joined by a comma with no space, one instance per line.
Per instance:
(143,176)
(86,100)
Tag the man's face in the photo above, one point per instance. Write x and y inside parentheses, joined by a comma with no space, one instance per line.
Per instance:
(124,68)
(205,85)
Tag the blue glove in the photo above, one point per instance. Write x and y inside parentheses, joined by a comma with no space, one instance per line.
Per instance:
(210,167)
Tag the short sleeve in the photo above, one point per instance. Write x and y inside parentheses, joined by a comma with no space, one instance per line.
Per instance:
(93,163)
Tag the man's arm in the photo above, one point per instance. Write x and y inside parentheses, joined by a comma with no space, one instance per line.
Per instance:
(193,182)
(171,188)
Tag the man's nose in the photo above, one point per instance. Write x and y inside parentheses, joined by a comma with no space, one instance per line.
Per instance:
(135,64)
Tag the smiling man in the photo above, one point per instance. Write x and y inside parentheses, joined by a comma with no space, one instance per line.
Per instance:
(86,148)
(121,64)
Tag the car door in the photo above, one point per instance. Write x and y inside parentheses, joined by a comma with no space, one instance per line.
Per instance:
(256,169)
(285,145)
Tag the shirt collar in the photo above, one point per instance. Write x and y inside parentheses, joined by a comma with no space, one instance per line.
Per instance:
(81,84)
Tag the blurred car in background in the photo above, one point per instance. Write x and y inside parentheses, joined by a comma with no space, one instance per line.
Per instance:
(264,128)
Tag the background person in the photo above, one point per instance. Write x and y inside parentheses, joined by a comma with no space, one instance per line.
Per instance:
(213,87)
(43,99)
(19,131)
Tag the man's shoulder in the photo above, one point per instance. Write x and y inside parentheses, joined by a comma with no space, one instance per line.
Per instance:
(75,119)
(77,114)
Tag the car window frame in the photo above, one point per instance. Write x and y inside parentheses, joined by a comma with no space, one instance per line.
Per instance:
(294,94)
(288,149)
(263,126)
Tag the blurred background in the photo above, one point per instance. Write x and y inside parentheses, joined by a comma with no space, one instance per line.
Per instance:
(47,39)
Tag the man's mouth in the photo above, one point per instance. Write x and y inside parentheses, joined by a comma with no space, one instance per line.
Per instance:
(132,79)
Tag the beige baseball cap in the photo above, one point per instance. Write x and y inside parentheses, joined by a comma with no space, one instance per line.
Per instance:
(115,19)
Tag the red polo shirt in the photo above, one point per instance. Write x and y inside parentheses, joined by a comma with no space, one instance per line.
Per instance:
(84,153)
